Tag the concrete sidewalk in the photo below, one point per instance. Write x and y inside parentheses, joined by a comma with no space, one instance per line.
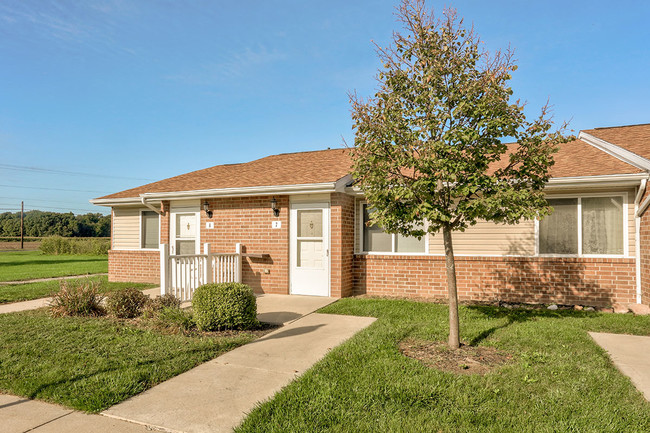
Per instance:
(631,355)
(217,395)
(38,280)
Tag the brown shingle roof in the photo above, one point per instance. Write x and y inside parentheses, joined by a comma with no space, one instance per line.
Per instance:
(284,169)
(575,158)
(635,138)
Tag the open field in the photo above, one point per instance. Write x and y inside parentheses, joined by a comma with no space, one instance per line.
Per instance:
(559,379)
(15,246)
(27,265)
(41,289)
(93,363)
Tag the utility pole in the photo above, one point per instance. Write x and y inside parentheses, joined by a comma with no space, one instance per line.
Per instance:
(22,212)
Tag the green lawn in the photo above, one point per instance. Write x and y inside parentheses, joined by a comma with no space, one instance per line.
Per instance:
(27,265)
(92,364)
(28,291)
(558,381)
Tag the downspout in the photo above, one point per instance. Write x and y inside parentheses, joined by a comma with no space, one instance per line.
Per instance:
(144,202)
(638,211)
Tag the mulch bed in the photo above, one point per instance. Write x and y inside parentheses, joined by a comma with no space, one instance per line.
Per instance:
(465,360)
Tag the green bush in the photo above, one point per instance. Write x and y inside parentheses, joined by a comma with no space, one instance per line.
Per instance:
(77,298)
(58,245)
(224,306)
(126,303)
(155,305)
(173,319)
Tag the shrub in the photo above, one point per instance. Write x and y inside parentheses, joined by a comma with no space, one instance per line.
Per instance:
(58,245)
(77,298)
(126,303)
(224,306)
(155,305)
(173,319)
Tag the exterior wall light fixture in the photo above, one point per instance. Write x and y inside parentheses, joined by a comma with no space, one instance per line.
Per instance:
(274,207)
(206,208)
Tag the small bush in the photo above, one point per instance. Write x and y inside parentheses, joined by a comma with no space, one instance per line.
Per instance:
(126,303)
(173,319)
(224,306)
(77,298)
(58,245)
(156,304)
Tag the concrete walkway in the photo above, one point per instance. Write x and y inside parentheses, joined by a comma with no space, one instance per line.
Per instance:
(631,355)
(217,395)
(38,280)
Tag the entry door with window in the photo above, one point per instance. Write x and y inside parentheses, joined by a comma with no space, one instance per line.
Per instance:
(309,252)
(184,232)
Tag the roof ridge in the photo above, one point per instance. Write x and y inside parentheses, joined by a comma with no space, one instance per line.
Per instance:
(619,126)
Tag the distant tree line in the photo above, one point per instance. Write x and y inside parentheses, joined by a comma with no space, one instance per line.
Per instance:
(39,224)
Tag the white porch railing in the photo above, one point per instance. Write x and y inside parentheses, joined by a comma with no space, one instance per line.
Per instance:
(180,275)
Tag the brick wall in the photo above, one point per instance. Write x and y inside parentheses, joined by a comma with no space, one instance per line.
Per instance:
(134,266)
(247,220)
(342,245)
(587,281)
(164,222)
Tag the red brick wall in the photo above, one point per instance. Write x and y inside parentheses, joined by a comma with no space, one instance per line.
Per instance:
(247,220)
(342,245)
(164,223)
(134,266)
(586,281)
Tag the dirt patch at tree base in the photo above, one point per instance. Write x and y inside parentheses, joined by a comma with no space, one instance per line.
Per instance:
(465,360)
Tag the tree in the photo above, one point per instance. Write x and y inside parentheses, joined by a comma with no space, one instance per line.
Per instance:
(428,148)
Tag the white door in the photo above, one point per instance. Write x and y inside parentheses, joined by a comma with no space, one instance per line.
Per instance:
(309,250)
(184,230)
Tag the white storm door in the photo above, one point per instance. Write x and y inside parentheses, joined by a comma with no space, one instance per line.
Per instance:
(309,251)
(184,232)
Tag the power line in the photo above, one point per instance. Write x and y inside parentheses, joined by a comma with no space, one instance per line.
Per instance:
(54,189)
(37,199)
(73,173)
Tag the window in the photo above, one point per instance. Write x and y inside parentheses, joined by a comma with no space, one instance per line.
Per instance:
(150,230)
(583,225)
(376,240)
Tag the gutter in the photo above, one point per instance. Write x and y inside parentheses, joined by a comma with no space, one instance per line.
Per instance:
(310,188)
(637,236)
(144,202)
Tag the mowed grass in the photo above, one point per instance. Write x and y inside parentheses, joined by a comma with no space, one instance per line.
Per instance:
(558,381)
(28,265)
(91,364)
(41,289)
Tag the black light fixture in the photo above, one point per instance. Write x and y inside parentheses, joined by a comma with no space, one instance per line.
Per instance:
(206,208)
(274,206)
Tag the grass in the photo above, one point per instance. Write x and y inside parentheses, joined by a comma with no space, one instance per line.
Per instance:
(91,364)
(27,265)
(558,381)
(41,289)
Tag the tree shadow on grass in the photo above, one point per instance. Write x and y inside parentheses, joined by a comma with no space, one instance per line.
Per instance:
(520,315)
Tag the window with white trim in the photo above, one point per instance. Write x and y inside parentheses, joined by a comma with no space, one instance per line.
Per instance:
(584,226)
(150,232)
(376,240)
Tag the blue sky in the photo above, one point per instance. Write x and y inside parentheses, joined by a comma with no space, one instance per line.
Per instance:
(125,92)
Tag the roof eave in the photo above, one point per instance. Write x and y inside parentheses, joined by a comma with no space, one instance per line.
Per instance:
(310,188)
(616,151)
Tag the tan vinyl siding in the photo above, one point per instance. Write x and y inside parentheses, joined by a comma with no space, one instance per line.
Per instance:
(126,228)
(486,238)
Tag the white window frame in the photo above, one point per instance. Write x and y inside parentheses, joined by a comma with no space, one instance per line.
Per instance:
(141,227)
(579,197)
(360,226)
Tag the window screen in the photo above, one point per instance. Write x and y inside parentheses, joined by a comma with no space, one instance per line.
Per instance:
(602,225)
(150,230)
(376,240)
(558,232)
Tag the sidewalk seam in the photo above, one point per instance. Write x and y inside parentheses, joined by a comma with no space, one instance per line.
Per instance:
(48,422)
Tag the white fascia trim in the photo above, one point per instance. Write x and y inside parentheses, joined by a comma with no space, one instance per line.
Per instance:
(116,201)
(610,180)
(311,188)
(616,151)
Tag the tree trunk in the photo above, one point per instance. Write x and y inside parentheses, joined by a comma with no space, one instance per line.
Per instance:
(454,334)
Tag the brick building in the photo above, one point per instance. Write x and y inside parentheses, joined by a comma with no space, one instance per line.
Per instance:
(301,226)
